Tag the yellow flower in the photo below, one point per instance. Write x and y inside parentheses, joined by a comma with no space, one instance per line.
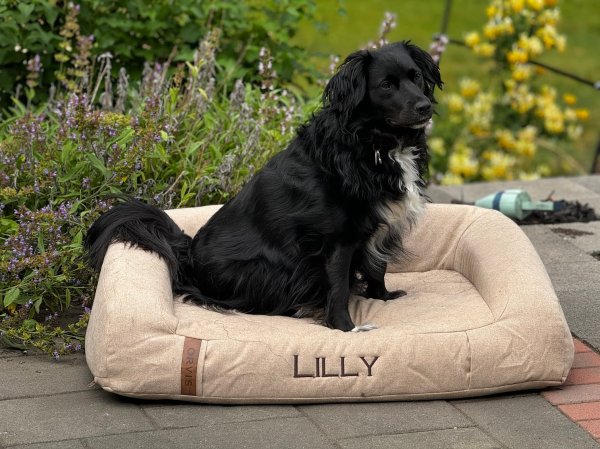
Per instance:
(436,145)
(525,148)
(491,11)
(570,99)
(499,166)
(561,43)
(525,176)
(450,179)
(582,114)
(472,39)
(517,55)
(536,5)
(554,121)
(462,163)
(455,103)
(574,131)
(484,49)
(551,3)
(469,88)
(549,17)
(517,5)
(505,139)
(529,133)
(521,72)
(491,30)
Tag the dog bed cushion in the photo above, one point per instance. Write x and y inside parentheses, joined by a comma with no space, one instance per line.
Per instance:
(480,317)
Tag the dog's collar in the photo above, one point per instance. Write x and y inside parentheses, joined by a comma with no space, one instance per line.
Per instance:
(401,148)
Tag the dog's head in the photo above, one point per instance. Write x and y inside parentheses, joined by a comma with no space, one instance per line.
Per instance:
(392,85)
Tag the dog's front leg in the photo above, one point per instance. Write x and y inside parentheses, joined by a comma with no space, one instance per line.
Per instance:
(374,276)
(338,273)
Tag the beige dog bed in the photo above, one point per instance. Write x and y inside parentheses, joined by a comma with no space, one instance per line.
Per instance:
(480,317)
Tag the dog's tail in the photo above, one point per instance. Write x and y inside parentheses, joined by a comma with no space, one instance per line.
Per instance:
(146,227)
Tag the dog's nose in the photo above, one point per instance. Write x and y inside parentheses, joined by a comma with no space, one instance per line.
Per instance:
(423,107)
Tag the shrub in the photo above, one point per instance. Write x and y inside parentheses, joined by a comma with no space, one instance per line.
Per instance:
(52,35)
(176,140)
(497,131)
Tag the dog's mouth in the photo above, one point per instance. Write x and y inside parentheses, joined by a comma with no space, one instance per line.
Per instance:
(414,125)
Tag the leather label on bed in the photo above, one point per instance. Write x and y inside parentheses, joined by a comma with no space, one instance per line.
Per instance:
(189,365)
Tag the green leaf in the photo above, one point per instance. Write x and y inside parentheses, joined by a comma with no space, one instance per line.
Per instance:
(11,296)
(98,164)
(30,325)
(12,344)
(41,246)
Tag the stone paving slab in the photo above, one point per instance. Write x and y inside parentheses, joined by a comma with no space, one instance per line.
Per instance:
(526,421)
(68,416)
(353,420)
(553,248)
(173,415)
(68,444)
(581,307)
(460,438)
(28,376)
(288,433)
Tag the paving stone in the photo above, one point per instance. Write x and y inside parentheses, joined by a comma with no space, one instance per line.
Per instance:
(583,411)
(40,375)
(461,438)
(526,421)
(352,420)
(571,275)
(289,433)
(582,376)
(438,194)
(70,444)
(553,249)
(573,394)
(589,239)
(591,182)
(580,346)
(593,427)
(586,360)
(582,311)
(68,416)
(184,415)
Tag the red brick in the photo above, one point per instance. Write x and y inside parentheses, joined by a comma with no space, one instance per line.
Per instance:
(592,427)
(581,412)
(580,346)
(573,394)
(582,376)
(586,360)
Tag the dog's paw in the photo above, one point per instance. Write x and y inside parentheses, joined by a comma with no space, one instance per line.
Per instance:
(392,295)
(364,328)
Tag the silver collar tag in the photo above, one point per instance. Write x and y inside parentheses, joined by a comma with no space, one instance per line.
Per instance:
(377,157)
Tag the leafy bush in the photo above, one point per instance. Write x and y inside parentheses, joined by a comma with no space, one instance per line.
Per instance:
(498,131)
(49,35)
(178,141)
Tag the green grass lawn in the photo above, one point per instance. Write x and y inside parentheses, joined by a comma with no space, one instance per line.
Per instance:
(419,20)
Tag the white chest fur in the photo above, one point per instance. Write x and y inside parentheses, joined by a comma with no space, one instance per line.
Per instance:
(397,217)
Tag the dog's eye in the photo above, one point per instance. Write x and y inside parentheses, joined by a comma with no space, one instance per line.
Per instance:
(418,76)
(386,85)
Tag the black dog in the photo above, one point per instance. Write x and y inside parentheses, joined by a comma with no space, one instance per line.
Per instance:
(324,217)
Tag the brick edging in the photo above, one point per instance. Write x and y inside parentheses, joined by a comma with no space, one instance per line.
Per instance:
(579,397)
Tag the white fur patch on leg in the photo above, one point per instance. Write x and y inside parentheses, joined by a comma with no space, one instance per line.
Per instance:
(364,328)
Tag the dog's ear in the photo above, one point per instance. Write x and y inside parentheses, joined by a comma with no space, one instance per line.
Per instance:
(348,87)
(430,70)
